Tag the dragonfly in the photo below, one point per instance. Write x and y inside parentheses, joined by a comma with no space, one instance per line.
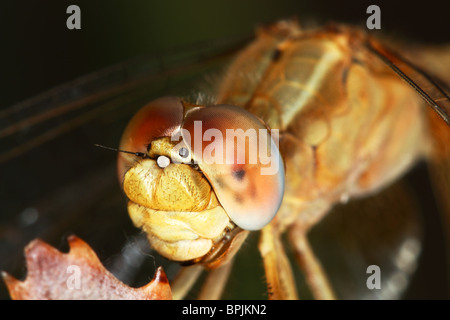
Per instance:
(60,118)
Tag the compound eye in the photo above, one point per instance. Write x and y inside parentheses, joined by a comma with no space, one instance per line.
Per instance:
(159,118)
(241,160)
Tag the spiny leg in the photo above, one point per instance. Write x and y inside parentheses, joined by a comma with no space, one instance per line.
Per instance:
(215,283)
(280,279)
(314,274)
(184,281)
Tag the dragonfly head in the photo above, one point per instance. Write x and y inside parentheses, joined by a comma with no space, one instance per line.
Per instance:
(209,175)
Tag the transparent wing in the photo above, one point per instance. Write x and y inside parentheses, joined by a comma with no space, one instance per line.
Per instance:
(436,61)
(429,87)
(56,183)
(396,230)
(439,168)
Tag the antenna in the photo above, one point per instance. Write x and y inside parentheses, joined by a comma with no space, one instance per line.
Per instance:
(138,154)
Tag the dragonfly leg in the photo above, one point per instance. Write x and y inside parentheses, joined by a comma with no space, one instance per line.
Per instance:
(215,283)
(314,274)
(280,279)
(184,281)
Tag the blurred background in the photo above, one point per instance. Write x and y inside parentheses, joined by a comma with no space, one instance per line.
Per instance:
(39,53)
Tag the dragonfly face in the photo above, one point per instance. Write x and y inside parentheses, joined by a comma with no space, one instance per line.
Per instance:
(192,205)
(51,200)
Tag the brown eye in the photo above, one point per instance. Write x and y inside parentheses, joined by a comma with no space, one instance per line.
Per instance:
(160,118)
(237,154)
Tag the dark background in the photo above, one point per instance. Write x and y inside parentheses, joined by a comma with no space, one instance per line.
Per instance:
(38,52)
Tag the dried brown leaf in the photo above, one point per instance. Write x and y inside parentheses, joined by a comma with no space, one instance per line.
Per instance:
(77,275)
